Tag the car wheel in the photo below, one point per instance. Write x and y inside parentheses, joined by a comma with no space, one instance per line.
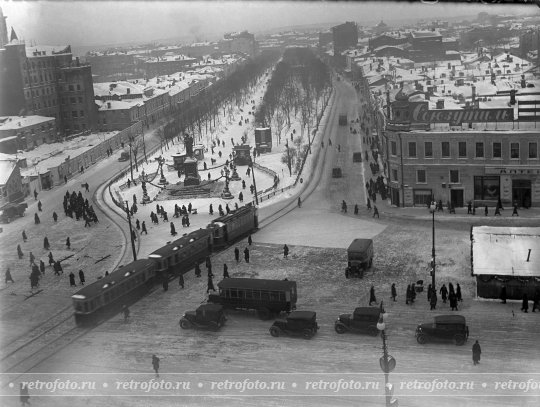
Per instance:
(274,331)
(421,339)
(307,333)
(185,324)
(373,331)
(264,314)
(459,340)
(340,329)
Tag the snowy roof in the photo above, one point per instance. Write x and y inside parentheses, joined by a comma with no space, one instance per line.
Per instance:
(117,88)
(48,50)
(6,168)
(19,122)
(504,250)
(118,104)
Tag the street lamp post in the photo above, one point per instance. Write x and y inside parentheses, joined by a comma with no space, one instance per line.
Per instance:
(433,248)
(131,232)
(387,362)
(251,161)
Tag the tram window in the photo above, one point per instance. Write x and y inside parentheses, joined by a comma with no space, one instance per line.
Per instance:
(249,294)
(241,294)
(265,295)
(282,296)
(256,295)
(78,306)
(274,296)
(234,293)
(107,297)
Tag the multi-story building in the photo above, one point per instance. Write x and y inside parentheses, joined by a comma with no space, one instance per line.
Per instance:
(46,81)
(3,29)
(26,132)
(344,36)
(243,42)
(164,65)
(106,66)
(11,187)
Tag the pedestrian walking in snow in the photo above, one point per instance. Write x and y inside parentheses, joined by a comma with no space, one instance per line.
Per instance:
(55,216)
(525,303)
(356,209)
(155,364)
(35,194)
(225,271)
(476,352)
(394,292)
(372,298)
(469,208)
(39,205)
(453,302)
(250,240)
(165,283)
(19,252)
(181,280)
(246,254)
(51,259)
(285,251)
(236,254)
(486,210)
(36,219)
(515,211)
(210,285)
(458,293)
(24,236)
(138,224)
(197,270)
(42,266)
(143,228)
(173,230)
(81,277)
(57,268)
(444,293)
(46,245)
(408,295)
(10,279)
(72,279)
(211,209)
(68,243)
(125,310)
(375,211)
(299,202)
(433,299)
(32,258)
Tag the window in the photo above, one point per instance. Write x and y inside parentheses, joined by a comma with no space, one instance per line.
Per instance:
(412,149)
(497,150)
(78,87)
(394,175)
(514,150)
(428,149)
(462,149)
(454,176)
(393,148)
(445,149)
(533,150)
(71,88)
(80,99)
(74,113)
(479,150)
(81,113)
(486,187)
(72,100)
(420,176)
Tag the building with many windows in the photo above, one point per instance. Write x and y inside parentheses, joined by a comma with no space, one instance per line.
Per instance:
(26,132)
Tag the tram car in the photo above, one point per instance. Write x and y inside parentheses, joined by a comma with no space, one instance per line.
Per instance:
(238,223)
(106,296)
(127,284)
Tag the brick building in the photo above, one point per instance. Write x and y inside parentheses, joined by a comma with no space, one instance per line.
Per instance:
(26,132)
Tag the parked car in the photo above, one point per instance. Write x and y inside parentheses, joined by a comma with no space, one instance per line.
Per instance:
(207,316)
(362,320)
(12,211)
(297,323)
(359,257)
(444,328)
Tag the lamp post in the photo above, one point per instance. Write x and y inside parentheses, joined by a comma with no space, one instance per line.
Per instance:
(432,272)
(251,161)
(131,232)
(387,362)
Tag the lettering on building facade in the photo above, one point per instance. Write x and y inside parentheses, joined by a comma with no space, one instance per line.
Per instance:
(421,113)
(513,170)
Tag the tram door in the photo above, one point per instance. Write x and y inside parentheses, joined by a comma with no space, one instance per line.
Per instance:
(521,192)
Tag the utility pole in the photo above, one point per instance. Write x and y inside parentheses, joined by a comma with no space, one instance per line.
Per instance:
(251,162)
(131,232)
(130,160)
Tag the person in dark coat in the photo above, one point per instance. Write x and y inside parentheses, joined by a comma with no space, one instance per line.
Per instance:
(32,258)
(155,364)
(36,219)
(211,209)
(197,270)
(138,224)
(9,278)
(458,293)
(444,293)
(72,279)
(19,251)
(39,205)
(55,216)
(369,204)
(536,300)
(469,208)
(210,285)
(503,294)
(181,280)
(81,277)
(58,268)
(285,251)
(515,212)
(476,352)
(165,217)
(429,289)
(236,254)
(451,289)
(246,255)
(51,259)
(143,228)
(372,298)
(165,283)
(408,295)
(525,303)
(497,211)
(46,244)
(394,292)
(413,293)
(356,209)
(68,243)
(453,302)
(433,299)
(375,211)
(486,210)
(225,271)
(42,266)
(173,230)
(24,236)
(250,240)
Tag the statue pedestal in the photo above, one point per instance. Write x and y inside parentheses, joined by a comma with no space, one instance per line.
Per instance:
(234,176)
(162,180)
(226,194)
(145,198)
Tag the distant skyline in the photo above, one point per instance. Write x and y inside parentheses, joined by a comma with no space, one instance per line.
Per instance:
(119,22)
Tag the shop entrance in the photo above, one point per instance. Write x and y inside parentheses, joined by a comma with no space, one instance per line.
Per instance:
(394,197)
(521,192)
(456,198)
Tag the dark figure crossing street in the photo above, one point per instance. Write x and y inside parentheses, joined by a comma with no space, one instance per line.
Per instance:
(250,240)
(42,266)
(458,293)
(225,271)
(285,251)
(525,303)
(8,276)
(433,299)
(36,219)
(39,205)
(210,285)
(143,228)
(515,211)
(394,292)
(375,211)
(155,364)
(236,253)
(19,251)
(173,230)
(197,270)
(476,352)
(72,279)
(46,244)
(24,236)
(444,293)
(372,298)
(181,280)
(503,294)
(81,277)
(55,216)
(246,255)
(68,243)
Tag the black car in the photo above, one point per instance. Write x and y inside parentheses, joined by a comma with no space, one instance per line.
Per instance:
(444,328)
(362,320)
(297,323)
(207,316)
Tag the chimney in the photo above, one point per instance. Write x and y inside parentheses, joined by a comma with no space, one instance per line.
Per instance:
(512,96)
(473,94)
(440,104)
(449,65)
(108,105)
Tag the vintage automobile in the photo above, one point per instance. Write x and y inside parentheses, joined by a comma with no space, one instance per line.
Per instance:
(343,120)
(12,210)
(336,172)
(444,328)
(359,257)
(362,320)
(207,316)
(302,323)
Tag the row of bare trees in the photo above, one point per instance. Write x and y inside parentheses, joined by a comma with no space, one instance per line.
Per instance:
(300,85)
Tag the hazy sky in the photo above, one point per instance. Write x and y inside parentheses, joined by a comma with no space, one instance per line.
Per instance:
(110,22)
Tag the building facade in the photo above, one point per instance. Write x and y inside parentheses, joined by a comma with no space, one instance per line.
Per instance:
(26,133)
